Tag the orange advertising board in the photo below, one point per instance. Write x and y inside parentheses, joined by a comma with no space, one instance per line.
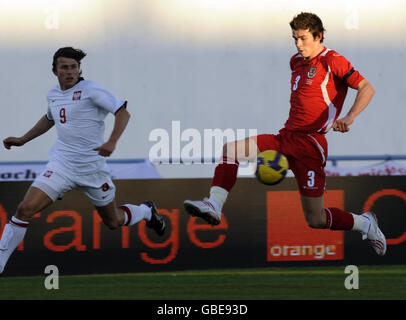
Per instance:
(260,227)
(289,238)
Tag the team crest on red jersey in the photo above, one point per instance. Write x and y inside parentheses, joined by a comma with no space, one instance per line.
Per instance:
(77,95)
(312,72)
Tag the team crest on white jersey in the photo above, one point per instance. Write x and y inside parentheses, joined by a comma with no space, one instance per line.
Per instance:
(77,95)
(312,72)
(48,173)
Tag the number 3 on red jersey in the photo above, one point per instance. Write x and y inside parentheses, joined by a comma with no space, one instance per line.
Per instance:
(296,83)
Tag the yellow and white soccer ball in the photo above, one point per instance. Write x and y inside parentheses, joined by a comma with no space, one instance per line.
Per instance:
(272,167)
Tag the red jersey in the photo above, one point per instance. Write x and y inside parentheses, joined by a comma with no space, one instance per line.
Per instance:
(319,87)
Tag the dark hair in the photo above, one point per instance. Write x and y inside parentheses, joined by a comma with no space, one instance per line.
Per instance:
(68,52)
(308,21)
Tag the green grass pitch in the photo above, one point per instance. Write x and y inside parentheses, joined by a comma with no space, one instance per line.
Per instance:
(375,282)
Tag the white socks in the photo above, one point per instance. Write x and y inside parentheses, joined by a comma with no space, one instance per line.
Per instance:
(361,224)
(134,214)
(13,234)
(218,197)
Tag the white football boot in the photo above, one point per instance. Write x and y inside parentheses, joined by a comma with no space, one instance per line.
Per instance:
(203,209)
(375,236)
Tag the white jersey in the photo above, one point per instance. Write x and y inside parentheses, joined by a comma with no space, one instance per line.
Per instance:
(79,114)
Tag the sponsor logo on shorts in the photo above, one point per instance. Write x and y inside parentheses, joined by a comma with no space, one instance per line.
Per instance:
(310,188)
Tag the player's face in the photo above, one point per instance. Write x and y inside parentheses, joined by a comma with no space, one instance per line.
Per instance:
(307,45)
(67,71)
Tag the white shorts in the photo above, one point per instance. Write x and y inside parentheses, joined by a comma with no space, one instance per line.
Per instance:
(98,186)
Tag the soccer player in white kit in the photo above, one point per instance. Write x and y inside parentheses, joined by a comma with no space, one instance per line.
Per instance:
(77,108)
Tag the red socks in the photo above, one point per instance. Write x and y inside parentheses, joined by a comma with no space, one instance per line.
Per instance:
(225,174)
(338,219)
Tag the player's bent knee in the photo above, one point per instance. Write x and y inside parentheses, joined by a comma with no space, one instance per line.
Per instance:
(25,211)
(315,222)
(315,225)
(240,150)
(229,150)
(111,224)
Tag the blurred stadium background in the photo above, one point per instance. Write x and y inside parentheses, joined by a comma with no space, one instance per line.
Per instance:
(205,63)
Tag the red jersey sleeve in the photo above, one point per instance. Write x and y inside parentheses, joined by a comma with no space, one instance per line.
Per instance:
(342,69)
(293,59)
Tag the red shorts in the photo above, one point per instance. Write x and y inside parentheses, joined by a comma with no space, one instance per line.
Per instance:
(306,154)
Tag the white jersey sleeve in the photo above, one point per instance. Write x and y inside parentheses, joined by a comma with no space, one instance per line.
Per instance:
(105,99)
(49,113)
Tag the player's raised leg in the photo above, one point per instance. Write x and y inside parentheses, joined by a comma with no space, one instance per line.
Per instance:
(114,216)
(337,219)
(225,176)
(130,214)
(34,201)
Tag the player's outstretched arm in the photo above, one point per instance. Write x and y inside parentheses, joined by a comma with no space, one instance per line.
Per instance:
(42,126)
(121,120)
(364,95)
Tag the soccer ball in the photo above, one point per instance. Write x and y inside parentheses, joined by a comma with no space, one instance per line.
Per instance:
(272,167)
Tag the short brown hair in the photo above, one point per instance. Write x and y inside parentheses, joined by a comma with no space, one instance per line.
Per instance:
(308,21)
(68,52)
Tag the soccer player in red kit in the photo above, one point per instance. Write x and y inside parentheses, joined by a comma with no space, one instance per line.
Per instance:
(319,84)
